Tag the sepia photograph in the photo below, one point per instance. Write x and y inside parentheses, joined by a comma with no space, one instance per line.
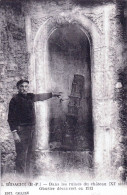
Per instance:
(63,97)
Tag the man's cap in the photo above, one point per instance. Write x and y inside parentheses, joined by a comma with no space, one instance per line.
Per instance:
(22,81)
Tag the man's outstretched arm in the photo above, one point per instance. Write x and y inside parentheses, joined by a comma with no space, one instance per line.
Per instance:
(45,96)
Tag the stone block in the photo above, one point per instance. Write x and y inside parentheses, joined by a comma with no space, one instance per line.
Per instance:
(109,84)
(7,153)
(104,112)
(97,62)
(97,85)
(11,73)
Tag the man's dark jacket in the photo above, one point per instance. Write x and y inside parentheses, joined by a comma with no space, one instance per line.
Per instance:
(22,110)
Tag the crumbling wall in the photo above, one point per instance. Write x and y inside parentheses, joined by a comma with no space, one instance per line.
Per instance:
(14,66)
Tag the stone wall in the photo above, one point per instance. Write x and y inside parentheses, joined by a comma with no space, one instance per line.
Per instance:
(102,25)
(14,66)
(26,28)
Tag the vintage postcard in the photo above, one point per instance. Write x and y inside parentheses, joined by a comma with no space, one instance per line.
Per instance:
(63,97)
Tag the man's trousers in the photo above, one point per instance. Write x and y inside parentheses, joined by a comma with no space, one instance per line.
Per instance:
(24,149)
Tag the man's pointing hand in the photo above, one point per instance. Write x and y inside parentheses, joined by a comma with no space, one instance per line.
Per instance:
(16,137)
(56,94)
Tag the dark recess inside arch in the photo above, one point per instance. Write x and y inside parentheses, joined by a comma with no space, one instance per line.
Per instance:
(70,70)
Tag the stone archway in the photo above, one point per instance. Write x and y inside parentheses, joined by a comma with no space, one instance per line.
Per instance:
(40,73)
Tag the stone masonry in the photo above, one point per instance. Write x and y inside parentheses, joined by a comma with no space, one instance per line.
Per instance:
(25,28)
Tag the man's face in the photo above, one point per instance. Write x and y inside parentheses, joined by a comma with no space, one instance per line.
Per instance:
(23,88)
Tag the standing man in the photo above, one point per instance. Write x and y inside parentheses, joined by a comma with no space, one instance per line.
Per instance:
(21,119)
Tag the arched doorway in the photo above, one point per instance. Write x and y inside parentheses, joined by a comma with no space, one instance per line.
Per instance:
(40,70)
(70,71)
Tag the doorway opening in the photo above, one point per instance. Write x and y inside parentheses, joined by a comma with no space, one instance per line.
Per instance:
(71,127)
